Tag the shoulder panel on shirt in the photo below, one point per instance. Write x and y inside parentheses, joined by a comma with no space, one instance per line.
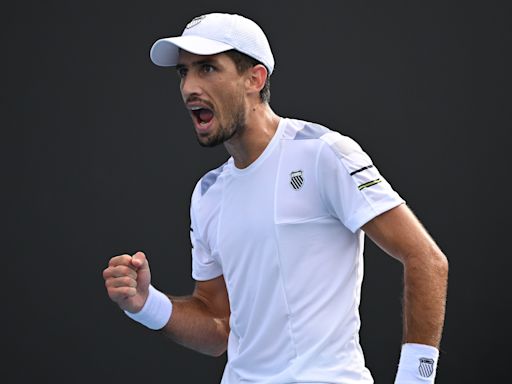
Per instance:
(210,178)
(341,145)
(311,131)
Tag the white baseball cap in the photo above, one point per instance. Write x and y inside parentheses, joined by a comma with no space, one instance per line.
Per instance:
(215,33)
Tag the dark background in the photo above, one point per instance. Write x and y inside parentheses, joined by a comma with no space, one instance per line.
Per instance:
(99,159)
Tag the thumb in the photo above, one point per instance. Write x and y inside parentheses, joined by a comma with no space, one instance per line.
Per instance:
(140,263)
(139,260)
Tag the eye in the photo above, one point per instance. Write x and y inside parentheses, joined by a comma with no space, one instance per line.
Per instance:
(207,68)
(182,72)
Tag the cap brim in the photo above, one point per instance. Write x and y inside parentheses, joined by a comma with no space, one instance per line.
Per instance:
(164,52)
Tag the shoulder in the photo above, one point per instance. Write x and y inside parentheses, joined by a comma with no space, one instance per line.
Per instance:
(337,143)
(208,180)
(298,130)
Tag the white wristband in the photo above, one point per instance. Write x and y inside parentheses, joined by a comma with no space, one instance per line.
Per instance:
(156,311)
(418,364)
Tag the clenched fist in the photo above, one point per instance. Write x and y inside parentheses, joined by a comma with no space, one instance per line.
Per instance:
(127,280)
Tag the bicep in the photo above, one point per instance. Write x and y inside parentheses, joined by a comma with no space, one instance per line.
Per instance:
(213,293)
(400,234)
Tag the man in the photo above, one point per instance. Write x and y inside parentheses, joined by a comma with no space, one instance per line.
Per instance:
(277,231)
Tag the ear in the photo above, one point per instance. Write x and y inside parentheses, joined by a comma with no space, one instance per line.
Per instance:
(257,76)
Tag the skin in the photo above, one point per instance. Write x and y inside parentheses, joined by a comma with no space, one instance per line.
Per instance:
(215,82)
(401,235)
(246,125)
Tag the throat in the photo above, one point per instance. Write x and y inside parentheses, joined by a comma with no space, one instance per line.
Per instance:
(204,115)
(251,141)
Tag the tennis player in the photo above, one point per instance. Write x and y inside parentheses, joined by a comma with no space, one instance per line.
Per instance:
(278,231)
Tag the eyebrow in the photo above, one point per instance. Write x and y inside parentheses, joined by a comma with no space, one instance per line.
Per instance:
(196,63)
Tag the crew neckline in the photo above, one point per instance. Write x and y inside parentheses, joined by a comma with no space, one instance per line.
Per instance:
(266,152)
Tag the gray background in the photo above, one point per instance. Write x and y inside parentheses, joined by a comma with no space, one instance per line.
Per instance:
(99,159)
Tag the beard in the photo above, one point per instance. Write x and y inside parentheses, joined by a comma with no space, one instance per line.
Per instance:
(225,131)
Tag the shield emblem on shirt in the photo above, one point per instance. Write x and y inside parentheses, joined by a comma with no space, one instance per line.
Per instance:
(296,180)
(426,367)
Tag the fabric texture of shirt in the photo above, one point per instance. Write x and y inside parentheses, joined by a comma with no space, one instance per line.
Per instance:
(285,234)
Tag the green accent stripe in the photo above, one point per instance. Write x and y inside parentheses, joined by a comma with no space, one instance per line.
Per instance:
(369,184)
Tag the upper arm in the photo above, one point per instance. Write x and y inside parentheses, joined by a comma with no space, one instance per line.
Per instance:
(214,295)
(400,234)
(352,187)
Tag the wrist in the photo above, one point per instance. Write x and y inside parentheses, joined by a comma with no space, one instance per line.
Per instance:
(418,364)
(156,311)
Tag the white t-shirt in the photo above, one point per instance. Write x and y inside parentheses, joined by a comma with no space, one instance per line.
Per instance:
(285,233)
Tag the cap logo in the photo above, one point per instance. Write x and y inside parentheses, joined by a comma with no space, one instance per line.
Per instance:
(195,21)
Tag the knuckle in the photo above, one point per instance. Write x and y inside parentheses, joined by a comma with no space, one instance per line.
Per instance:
(107,273)
(128,271)
(128,291)
(122,271)
(108,283)
(119,260)
(127,281)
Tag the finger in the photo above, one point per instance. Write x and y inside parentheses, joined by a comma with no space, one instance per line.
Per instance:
(122,270)
(120,260)
(121,293)
(119,271)
(118,282)
(139,260)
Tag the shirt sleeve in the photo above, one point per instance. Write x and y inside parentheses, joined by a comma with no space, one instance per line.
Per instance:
(204,265)
(351,185)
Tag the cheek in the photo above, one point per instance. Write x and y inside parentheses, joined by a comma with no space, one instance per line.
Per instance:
(183,96)
(228,99)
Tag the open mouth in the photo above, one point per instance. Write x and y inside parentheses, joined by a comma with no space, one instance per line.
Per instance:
(203,116)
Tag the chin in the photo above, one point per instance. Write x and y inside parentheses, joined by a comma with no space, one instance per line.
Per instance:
(209,142)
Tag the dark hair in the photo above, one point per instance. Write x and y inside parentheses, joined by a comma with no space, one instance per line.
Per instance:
(243,62)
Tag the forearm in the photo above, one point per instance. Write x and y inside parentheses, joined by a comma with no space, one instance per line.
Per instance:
(401,235)
(194,326)
(425,287)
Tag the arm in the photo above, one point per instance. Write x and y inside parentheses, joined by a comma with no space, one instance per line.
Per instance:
(199,321)
(399,233)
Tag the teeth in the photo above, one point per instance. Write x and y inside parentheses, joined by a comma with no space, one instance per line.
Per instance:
(194,108)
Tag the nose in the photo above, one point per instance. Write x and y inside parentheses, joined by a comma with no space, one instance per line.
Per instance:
(190,86)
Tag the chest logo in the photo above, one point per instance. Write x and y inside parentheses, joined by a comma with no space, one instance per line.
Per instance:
(296,180)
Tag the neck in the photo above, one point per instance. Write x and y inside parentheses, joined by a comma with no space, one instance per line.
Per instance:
(261,125)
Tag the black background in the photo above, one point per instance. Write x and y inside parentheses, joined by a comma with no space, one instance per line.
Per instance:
(99,159)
